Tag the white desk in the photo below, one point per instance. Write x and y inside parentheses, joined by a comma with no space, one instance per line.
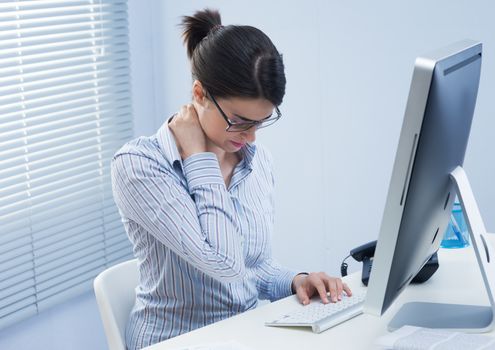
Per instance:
(458,280)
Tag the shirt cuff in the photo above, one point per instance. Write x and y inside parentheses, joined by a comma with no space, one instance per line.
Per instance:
(283,284)
(202,169)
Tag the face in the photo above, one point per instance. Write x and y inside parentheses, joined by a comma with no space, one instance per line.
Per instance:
(237,110)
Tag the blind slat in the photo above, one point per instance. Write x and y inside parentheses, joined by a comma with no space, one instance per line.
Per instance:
(19,173)
(14,89)
(41,133)
(65,109)
(69,291)
(75,237)
(60,283)
(19,242)
(17,300)
(22,276)
(13,267)
(48,89)
(18,311)
(45,157)
(78,46)
(9,255)
(12,32)
(71,245)
(56,176)
(55,68)
(52,194)
(58,225)
(105,106)
(65,264)
(55,39)
(39,143)
(73,200)
(12,290)
(65,99)
(117,109)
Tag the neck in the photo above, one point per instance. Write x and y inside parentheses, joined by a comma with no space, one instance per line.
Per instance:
(222,156)
(220,153)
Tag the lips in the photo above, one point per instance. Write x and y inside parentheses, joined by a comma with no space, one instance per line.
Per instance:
(237,144)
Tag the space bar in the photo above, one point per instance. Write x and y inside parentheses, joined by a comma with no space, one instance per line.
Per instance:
(337,318)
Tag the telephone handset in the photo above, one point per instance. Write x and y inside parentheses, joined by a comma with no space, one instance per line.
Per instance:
(365,254)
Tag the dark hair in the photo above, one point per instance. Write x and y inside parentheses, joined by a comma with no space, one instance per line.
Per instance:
(233,60)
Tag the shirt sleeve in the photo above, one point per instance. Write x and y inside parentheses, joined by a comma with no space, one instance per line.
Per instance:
(273,281)
(199,225)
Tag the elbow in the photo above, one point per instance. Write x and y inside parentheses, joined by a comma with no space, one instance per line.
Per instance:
(225,268)
(232,273)
(237,274)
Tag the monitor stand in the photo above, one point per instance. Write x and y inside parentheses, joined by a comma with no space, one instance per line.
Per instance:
(466,318)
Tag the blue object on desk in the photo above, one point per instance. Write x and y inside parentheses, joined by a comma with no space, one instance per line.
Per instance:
(456,235)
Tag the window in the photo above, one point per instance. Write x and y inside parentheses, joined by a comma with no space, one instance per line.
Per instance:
(64,111)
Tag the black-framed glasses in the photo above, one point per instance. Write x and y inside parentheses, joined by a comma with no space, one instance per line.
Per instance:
(234,126)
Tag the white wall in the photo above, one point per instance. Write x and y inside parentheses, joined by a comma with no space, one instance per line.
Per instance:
(348,67)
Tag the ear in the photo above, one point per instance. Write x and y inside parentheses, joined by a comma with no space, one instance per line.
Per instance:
(198,93)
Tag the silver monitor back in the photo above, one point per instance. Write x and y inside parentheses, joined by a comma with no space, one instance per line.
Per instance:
(432,144)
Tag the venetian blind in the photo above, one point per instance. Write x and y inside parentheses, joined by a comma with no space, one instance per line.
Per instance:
(64,111)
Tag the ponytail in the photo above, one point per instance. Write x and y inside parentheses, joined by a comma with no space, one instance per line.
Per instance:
(197,27)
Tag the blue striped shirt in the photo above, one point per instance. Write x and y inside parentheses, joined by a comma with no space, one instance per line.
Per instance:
(203,250)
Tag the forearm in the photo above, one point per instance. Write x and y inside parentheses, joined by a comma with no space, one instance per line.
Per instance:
(215,208)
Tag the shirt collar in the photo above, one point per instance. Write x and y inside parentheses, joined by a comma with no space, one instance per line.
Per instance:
(247,154)
(168,145)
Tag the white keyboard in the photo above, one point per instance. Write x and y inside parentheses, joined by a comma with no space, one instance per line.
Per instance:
(321,317)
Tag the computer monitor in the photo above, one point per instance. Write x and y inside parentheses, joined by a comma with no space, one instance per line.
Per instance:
(426,177)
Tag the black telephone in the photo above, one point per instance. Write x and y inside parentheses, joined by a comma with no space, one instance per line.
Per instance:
(366,252)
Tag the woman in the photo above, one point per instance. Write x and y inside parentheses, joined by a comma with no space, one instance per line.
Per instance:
(196,198)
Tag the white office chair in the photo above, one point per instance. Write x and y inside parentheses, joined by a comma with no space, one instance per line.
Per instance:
(115,295)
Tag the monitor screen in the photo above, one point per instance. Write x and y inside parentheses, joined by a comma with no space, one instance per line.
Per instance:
(432,144)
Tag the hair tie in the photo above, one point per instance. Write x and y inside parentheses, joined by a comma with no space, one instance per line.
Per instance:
(216,27)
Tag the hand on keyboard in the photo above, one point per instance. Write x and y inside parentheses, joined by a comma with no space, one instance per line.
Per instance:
(319,283)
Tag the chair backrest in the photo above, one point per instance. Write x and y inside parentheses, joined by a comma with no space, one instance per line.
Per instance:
(115,295)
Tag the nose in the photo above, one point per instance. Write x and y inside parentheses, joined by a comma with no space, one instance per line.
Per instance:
(249,135)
